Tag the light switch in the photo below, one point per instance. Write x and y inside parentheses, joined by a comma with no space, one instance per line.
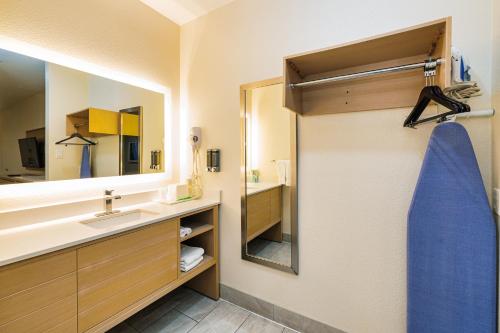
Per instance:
(59,154)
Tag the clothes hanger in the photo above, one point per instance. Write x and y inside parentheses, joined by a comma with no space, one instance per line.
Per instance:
(434,93)
(78,136)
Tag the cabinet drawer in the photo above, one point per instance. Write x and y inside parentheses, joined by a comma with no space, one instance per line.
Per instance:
(27,301)
(112,305)
(126,244)
(44,319)
(24,275)
(118,272)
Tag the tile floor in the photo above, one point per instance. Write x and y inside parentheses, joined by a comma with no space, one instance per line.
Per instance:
(274,251)
(184,310)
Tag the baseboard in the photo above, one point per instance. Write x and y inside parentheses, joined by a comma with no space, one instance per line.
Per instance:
(274,312)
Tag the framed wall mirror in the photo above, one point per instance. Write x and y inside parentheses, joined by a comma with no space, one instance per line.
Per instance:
(58,123)
(269,230)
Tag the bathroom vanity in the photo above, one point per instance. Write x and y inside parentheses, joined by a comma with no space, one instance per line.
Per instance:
(264,211)
(102,271)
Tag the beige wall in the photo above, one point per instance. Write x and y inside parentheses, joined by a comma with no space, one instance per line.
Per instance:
(67,92)
(270,131)
(496,92)
(125,36)
(269,139)
(27,114)
(357,171)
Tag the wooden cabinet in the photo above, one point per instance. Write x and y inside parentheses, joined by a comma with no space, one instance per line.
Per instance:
(94,286)
(115,273)
(39,295)
(263,211)
(129,124)
(93,122)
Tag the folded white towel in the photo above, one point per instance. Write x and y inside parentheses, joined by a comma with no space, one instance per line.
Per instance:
(185,268)
(185,231)
(190,254)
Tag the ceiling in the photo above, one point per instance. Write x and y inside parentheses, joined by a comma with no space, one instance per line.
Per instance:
(183,11)
(20,77)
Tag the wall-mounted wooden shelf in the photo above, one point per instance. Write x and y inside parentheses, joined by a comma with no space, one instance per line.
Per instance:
(385,91)
(93,122)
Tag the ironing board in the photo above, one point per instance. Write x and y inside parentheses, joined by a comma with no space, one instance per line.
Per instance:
(451,241)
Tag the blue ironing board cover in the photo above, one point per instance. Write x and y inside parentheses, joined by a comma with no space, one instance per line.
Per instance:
(452,246)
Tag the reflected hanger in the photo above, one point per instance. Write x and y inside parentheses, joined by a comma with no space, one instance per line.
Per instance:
(78,136)
(434,93)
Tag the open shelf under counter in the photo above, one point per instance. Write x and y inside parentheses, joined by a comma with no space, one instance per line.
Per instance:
(205,264)
(197,227)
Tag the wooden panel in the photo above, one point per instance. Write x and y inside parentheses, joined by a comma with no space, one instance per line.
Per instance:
(394,91)
(112,305)
(127,279)
(103,121)
(125,244)
(67,326)
(129,124)
(97,273)
(27,274)
(275,201)
(20,304)
(258,212)
(44,319)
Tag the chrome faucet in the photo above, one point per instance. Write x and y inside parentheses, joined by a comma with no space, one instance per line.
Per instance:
(108,203)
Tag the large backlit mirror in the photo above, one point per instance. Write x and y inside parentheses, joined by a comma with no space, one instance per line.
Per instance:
(269,177)
(58,123)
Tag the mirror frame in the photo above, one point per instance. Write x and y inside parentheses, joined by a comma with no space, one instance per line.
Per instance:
(294,268)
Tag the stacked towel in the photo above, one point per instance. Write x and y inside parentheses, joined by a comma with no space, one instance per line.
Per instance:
(190,257)
(185,231)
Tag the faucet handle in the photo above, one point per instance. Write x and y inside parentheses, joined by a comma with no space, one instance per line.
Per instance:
(108,192)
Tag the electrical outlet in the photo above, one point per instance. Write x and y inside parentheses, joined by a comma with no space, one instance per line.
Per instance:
(496,200)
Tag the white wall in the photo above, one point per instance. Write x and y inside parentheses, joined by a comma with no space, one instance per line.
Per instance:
(357,171)
(24,115)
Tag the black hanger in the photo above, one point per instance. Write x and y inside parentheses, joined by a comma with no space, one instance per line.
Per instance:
(434,93)
(78,136)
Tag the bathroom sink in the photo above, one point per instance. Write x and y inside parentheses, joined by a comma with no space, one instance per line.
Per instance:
(117,219)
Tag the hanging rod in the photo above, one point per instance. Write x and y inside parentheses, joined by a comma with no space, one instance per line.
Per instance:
(365,74)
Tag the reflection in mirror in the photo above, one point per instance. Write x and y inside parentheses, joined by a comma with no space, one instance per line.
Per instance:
(130,141)
(22,118)
(268,202)
(58,123)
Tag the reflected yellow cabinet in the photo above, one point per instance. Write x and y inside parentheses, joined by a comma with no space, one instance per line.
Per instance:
(129,124)
(93,122)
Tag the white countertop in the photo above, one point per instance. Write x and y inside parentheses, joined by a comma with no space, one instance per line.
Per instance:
(29,241)
(254,188)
